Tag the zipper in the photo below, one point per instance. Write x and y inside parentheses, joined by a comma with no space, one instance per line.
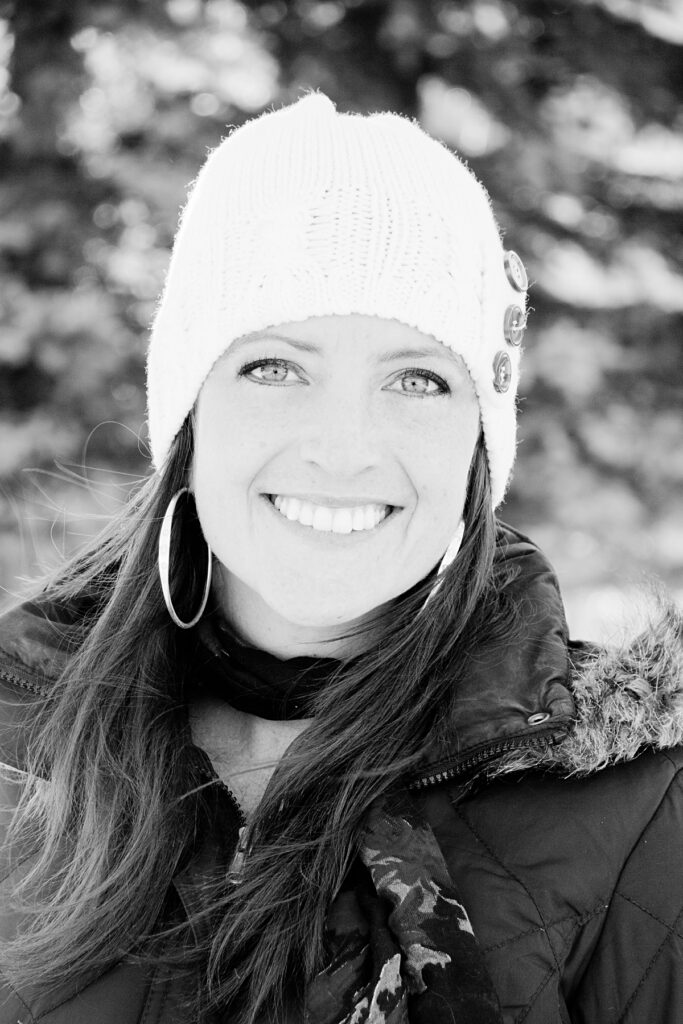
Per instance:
(210,774)
(23,683)
(540,741)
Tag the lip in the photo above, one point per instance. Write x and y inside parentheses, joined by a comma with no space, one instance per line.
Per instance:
(329,536)
(330,502)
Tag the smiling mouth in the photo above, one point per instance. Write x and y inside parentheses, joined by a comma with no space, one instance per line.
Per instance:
(337,521)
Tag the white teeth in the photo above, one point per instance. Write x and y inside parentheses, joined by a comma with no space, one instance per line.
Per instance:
(330,520)
(322,518)
(371,517)
(306,513)
(342,521)
(358,519)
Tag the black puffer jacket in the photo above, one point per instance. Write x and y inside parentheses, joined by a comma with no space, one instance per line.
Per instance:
(558,809)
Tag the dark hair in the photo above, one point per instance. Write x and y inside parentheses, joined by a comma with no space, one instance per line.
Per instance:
(125,806)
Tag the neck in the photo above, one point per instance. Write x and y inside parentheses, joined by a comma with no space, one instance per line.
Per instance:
(252,740)
(258,625)
(243,749)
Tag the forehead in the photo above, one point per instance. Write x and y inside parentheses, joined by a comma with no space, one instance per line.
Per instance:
(384,338)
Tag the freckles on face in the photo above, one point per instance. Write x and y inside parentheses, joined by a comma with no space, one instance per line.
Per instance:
(339,424)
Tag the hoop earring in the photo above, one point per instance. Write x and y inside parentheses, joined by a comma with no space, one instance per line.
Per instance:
(451,552)
(164,562)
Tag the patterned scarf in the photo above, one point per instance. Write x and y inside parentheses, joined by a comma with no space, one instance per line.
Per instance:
(401,949)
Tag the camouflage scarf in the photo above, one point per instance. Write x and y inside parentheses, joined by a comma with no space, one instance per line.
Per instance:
(400,946)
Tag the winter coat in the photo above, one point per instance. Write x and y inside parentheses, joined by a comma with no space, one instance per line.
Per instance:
(556,810)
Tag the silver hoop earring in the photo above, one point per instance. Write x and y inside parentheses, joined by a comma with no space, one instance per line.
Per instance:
(164,562)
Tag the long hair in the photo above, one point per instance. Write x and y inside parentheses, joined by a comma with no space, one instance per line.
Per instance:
(122,809)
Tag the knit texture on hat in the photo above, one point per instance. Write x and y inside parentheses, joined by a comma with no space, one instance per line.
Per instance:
(306,212)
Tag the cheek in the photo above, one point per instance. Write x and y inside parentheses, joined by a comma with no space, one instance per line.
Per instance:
(233,431)
(218,467)
(222,440)
(231,450)
(438,461)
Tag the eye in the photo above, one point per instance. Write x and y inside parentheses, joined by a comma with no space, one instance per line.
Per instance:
(423,375)
(280,365)
(276,370)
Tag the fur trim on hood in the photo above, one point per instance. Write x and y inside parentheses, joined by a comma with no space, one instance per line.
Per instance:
(628,698)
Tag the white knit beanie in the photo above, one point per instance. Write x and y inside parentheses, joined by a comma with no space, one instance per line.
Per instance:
(306,212)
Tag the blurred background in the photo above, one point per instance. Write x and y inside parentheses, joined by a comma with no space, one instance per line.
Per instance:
(572,115)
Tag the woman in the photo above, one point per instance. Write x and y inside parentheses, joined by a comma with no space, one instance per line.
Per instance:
(301,736)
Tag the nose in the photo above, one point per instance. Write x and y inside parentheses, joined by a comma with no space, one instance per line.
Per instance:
(341,435)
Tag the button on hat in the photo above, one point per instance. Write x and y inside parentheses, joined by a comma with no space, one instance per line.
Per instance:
(514,269)
(502,372)
(515,324)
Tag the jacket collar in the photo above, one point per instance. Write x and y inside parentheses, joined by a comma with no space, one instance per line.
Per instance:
(516,692)
(534,699)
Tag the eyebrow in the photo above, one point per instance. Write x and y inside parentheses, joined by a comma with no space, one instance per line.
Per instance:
(438,350)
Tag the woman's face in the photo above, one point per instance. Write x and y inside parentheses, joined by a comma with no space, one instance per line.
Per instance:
(331,411)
